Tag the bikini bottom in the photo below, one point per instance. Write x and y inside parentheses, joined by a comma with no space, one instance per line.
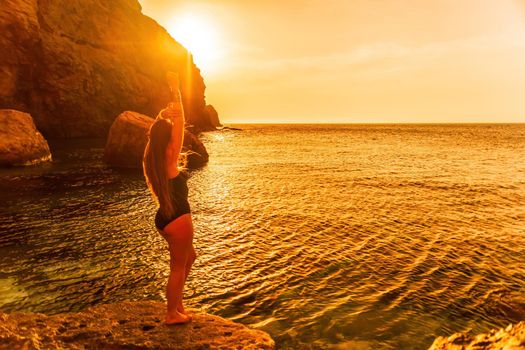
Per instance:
(181,209)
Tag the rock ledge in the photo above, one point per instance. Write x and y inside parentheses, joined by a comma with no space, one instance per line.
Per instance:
(510,338)
(126,325)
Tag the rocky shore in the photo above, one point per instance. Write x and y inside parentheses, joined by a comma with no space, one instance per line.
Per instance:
(126,325)
(510,338)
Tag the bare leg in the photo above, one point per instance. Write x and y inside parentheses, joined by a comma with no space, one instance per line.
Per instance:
(189,263)
(179,235)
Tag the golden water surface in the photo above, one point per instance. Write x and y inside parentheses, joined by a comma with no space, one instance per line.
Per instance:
(343,236)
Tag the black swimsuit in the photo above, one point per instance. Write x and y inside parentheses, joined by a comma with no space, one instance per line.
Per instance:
(179,198)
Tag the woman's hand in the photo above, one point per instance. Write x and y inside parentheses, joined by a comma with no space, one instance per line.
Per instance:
(174,110)
(173,81)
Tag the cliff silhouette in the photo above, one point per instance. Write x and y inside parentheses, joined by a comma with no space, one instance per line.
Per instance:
(75,65)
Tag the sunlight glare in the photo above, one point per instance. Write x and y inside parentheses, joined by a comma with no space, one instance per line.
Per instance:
(199,36)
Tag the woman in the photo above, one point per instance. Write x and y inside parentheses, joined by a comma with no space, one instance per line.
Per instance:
(167,183)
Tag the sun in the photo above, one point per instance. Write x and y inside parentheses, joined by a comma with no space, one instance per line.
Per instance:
(200,37)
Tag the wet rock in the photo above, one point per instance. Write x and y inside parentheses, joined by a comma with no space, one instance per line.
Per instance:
(197,154)
(510,338)
(128,137)
(76,64)
(230,128)
(20,142)
(105,330)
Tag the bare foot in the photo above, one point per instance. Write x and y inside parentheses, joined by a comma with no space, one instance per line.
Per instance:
(181,309)
(176,318)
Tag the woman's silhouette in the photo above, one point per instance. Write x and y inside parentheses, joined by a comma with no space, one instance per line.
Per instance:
(166,180)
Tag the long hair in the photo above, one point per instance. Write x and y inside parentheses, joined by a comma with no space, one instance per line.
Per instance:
(154,165)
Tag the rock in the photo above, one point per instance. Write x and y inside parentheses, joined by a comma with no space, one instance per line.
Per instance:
(128,137)
(127,140)
(197,154)
(212,115)
(75,64)
(127,325)
(229,128)
(20,141)
(511,338)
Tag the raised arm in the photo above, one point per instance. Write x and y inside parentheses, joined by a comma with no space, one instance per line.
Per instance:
(176,98)
(175,113)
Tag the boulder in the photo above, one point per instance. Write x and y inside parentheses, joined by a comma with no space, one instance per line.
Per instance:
(197,154)
(128,137)
(127,140)
(20,141)
(512,337)
(75,64)
(126,325)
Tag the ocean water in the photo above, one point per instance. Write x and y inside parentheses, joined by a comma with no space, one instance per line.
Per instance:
(325,236)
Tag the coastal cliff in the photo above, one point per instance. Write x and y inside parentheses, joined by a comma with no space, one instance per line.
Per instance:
(126,325)
(75,65)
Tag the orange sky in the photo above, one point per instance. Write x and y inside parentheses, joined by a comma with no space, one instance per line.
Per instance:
(355,61)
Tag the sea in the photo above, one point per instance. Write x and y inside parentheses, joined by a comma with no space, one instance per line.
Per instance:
(326,236)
